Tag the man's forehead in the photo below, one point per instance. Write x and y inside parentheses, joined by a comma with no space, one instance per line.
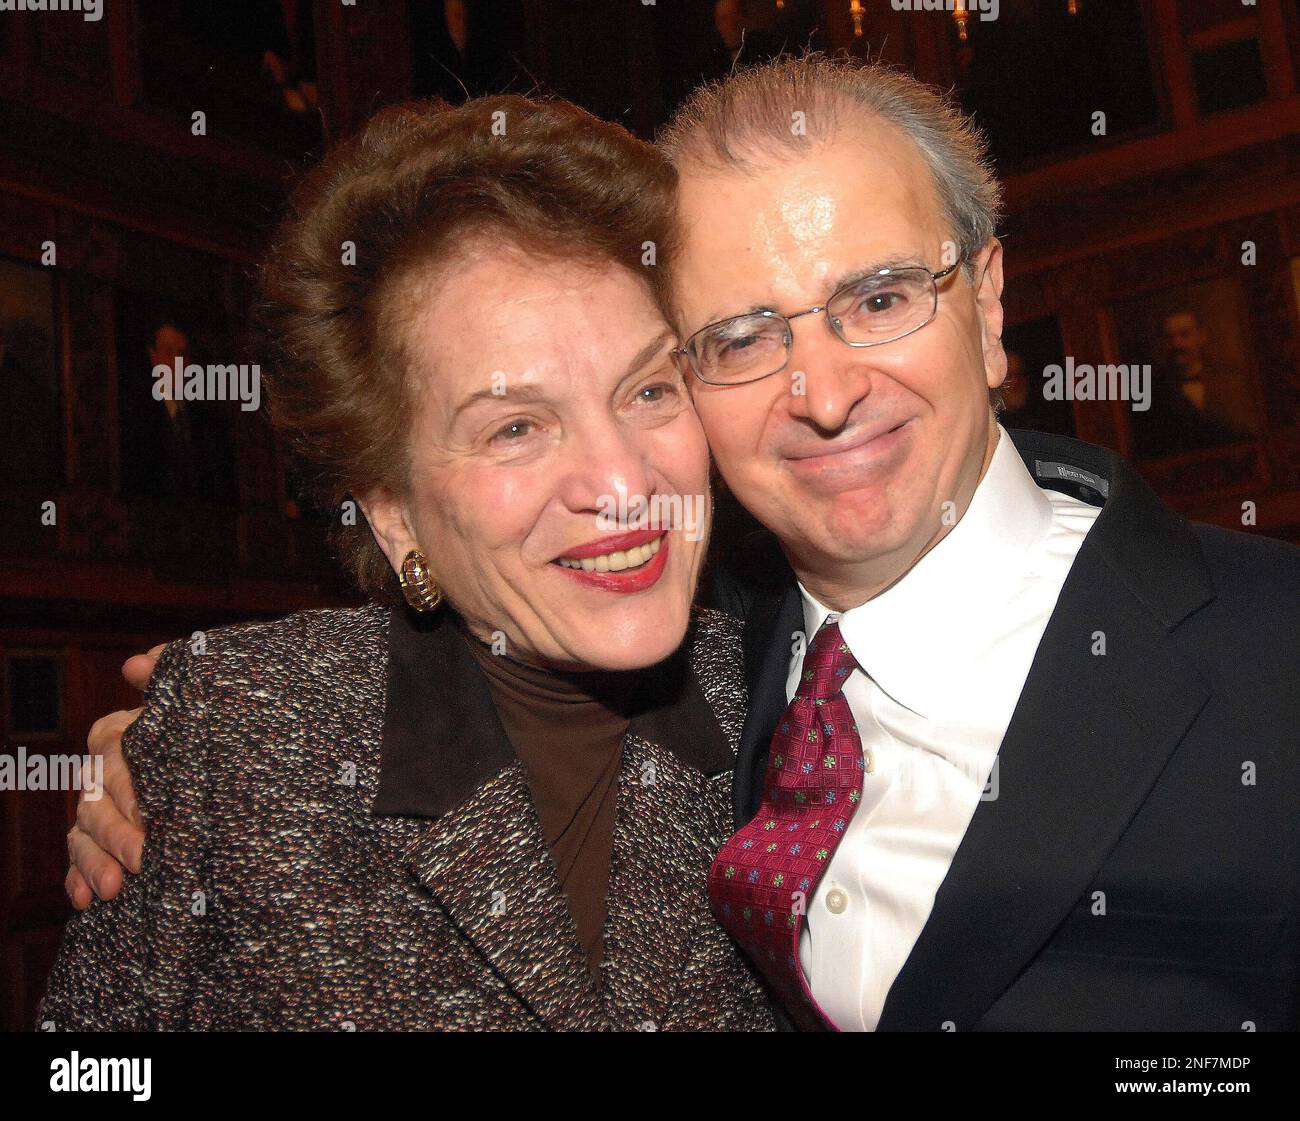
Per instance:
(790,227)
(870,149)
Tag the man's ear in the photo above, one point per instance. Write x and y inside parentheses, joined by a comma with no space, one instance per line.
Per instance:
(988,302)
(386,514)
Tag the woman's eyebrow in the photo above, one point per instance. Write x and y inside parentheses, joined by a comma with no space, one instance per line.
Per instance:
(650,350)
(509,393)
(530,393)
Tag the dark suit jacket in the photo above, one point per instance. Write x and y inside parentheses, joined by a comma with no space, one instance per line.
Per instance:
(340,835)
(1159,782)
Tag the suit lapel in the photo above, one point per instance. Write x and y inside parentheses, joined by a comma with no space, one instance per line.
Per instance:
(442,737)
(446,757)
(488,865)
(670,820)
(1087,741)
(670,823)
(777,613)
(485,858)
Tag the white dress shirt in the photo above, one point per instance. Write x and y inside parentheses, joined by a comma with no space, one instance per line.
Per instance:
(943,656)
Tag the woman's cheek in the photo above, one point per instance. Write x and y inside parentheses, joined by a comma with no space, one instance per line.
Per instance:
(499,508)
(685,468)
(685,456)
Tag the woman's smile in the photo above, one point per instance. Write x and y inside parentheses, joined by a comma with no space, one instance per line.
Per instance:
(634,566)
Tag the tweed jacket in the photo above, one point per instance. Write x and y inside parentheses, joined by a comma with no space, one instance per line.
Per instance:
(339,837)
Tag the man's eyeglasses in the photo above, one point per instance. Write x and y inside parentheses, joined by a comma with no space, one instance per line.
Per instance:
(876,309)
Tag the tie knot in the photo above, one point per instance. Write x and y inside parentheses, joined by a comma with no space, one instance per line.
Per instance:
(827,664)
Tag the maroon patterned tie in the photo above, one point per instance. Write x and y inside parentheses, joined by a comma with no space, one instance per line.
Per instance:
(764,877)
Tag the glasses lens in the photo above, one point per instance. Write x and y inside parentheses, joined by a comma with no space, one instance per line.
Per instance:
(748,346)
(883,307)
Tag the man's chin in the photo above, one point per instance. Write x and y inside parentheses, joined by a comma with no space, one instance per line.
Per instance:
(848,532)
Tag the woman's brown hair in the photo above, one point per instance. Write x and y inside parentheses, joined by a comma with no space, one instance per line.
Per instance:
(396,202)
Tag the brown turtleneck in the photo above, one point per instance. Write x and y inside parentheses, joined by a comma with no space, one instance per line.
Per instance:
(567,731)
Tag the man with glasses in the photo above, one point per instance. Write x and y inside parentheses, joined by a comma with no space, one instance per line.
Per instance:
(882,306)
(1033,762)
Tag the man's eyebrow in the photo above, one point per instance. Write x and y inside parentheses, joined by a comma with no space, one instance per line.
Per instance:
(899,262)
(869,269)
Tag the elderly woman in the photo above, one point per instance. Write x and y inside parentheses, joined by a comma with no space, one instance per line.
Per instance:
(495,807)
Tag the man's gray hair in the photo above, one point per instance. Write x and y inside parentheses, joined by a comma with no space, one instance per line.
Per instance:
(732,123)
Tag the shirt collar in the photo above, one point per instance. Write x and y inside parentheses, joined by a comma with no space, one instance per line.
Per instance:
(442,737)
(917,639)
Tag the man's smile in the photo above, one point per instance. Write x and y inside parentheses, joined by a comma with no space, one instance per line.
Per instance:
(846,459)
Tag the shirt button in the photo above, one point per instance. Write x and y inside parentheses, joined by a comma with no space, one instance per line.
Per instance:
(836,901)
(868,761)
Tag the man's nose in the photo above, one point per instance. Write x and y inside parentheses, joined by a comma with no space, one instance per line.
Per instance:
(827,377)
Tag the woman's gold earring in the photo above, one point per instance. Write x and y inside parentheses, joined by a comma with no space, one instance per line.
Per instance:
(417,585)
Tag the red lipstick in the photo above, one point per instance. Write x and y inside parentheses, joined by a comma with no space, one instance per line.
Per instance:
(613,543)
(629,580)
